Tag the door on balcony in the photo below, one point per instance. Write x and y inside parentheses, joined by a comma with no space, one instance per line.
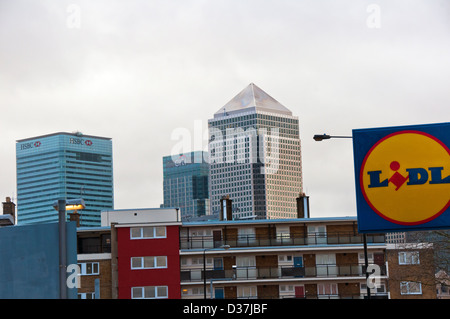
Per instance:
(219,293)
(218,263)
(378,259)
(298,266)
(299,291)
(298,261)
(217,238)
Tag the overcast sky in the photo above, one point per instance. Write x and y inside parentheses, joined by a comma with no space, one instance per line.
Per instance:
(136,71)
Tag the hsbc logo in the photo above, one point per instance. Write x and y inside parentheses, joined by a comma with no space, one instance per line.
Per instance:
(28,145)
(80,141)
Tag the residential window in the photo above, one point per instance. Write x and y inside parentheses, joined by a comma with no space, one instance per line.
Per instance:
(86,295)
(150,262)
(246,232)
(283,232)
(148,232)
(327,290)
(408,258)
(410,288)
(362,259)
(326,265)
(149,292)
(89,268)
(317,235)
(245,261)
(286,288)
(380,288)
(246,267)
(247,292)
(195,291)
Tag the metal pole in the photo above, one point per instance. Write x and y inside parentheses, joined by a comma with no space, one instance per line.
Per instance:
(366,260)
(204,274)
(62,248)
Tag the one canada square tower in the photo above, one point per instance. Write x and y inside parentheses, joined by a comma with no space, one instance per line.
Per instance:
(255,157)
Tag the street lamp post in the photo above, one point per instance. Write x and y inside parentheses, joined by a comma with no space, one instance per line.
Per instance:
(204,267)
(318,138)
(62,205)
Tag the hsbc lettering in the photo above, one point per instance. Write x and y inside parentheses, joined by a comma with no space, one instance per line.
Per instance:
(80,141)
(26,146)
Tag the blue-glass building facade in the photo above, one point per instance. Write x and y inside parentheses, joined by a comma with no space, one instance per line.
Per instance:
(63,166)
(185,179)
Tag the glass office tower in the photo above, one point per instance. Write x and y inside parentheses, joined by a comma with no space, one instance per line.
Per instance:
(185,179)
(63,166)
(255,157)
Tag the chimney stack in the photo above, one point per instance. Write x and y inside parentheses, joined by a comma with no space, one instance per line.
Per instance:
(9,208)
(302,206)
(226,208)
(75,216)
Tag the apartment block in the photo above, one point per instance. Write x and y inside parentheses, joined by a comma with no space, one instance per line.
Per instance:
(94,260)
(274,259)
(151,253)
(411,271)
(145,258)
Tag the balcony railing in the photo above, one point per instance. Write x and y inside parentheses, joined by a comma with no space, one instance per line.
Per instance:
(208,242)
(248,273)
(93,249)
(321,296)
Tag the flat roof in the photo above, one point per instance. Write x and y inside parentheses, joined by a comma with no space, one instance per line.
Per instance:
(77,134)
(270,221)
(6,220)
(93,229)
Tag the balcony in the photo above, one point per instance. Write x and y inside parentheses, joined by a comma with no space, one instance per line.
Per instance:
(93,249)
(321,296)
(280,272)
(293,239)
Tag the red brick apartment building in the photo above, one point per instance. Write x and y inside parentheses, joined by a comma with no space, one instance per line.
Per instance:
(150,253)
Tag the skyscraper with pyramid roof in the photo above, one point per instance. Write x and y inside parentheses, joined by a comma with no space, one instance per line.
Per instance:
(255,157)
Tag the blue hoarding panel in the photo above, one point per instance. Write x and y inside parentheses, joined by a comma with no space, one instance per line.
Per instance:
(29,261)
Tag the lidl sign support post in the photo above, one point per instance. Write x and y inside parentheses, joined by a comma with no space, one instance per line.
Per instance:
(402,178)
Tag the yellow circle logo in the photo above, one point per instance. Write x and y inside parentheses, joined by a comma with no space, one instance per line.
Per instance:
(405,177)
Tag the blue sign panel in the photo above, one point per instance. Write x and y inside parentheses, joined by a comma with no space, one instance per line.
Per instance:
(402,178)
(29,255)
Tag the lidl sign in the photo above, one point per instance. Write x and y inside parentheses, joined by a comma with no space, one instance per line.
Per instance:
(402,177)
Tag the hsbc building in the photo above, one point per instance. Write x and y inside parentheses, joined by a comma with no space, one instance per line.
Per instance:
(63,166)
